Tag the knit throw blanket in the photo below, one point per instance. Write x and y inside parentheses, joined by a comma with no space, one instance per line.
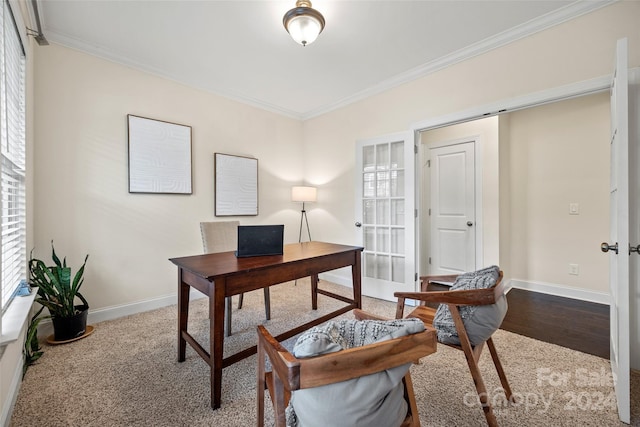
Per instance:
(480,279)
(339,335)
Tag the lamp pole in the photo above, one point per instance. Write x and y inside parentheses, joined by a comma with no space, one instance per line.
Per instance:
(303,216)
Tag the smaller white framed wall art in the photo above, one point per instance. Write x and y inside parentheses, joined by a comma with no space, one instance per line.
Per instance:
(236,185)
(159,156)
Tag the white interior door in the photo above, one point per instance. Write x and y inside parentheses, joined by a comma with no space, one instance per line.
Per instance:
(619,230)
(452,209)
(385,217)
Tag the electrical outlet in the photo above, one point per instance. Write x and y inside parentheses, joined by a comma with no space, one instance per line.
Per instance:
(574,269)
(574,209)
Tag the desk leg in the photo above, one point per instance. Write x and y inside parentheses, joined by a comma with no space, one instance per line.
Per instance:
(356,277)
(183,315)
(216,338)
(314,291)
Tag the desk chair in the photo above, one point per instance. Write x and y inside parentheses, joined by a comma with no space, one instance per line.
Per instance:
(222,236)
(290,374)
(471,334)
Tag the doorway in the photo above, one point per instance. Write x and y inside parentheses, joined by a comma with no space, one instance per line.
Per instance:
(484,177)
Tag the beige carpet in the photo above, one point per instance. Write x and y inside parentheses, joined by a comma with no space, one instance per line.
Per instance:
(126,374)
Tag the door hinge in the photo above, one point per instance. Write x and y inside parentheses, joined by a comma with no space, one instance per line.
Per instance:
(415,277)
(428,163)
(415,149)
(415,213)
(429,211)
(429,260)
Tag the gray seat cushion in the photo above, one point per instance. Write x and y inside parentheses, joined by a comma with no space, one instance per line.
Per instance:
(372,400)
(480,321)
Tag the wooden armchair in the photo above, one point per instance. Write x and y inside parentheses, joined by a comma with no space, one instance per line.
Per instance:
(290,374)
(456,299)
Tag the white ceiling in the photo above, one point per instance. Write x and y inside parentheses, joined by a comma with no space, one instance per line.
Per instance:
(239,49)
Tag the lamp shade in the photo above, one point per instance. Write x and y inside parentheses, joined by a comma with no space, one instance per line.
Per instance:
(304,194)
(303,23)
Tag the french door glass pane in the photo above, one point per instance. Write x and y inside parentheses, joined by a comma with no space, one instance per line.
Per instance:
(368,158)
(397,268)
(397,240)
(382,185)
(369,211)
(368,184)
(383,267)
(370,238)
(382,241)
(370,265)
(397,155)
(397,212)
(382,159)
(397,183)
(382,212)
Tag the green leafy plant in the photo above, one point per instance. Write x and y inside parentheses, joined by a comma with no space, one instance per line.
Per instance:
(32,350)
(56,290)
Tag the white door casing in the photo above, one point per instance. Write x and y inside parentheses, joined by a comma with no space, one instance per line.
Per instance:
(385,214)
(619,233)
(452,209)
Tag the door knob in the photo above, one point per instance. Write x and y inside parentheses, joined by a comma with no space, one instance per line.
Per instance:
(358,224)
(469,223)
(635,249)
(605,247)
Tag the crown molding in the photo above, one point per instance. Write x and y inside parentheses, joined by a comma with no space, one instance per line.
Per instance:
(571,11)
(557,17)
(93,50)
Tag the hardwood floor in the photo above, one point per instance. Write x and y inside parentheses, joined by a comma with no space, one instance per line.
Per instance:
(575,324)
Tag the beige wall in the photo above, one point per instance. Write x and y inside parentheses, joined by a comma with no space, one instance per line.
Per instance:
(575,51)
(558,154)
(80,161)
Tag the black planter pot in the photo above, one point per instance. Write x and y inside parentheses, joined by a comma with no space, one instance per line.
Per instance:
(67,328)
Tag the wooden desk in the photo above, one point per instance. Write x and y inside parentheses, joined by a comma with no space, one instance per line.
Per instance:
(223,274)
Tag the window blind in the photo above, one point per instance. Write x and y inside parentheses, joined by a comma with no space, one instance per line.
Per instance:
(12,158)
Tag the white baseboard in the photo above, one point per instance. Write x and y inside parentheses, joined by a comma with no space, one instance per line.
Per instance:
(560,291)
(114,312)
(338,279)
(117,311)
(545,288)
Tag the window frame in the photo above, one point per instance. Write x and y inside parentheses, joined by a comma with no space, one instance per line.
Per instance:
(13,63)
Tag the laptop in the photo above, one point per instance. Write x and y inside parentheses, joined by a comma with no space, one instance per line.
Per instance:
(259,240)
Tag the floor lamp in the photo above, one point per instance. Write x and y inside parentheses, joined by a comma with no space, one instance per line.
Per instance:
(304,195)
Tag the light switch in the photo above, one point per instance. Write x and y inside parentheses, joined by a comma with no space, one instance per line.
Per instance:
(574,209)
(574,269)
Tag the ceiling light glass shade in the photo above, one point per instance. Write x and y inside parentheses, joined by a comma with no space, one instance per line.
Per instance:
(303,23)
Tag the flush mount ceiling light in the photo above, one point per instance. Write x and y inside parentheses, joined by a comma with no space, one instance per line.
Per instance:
(303,22)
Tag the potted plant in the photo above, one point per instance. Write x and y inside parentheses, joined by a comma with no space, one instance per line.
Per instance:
(58,292)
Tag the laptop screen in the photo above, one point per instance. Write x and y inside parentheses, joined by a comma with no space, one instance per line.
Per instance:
(258,240)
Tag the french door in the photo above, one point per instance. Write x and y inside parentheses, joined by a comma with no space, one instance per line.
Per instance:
(619,247)
(385,214)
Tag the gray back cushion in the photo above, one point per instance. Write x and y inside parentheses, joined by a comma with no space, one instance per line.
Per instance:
(480,321)
(372,400)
